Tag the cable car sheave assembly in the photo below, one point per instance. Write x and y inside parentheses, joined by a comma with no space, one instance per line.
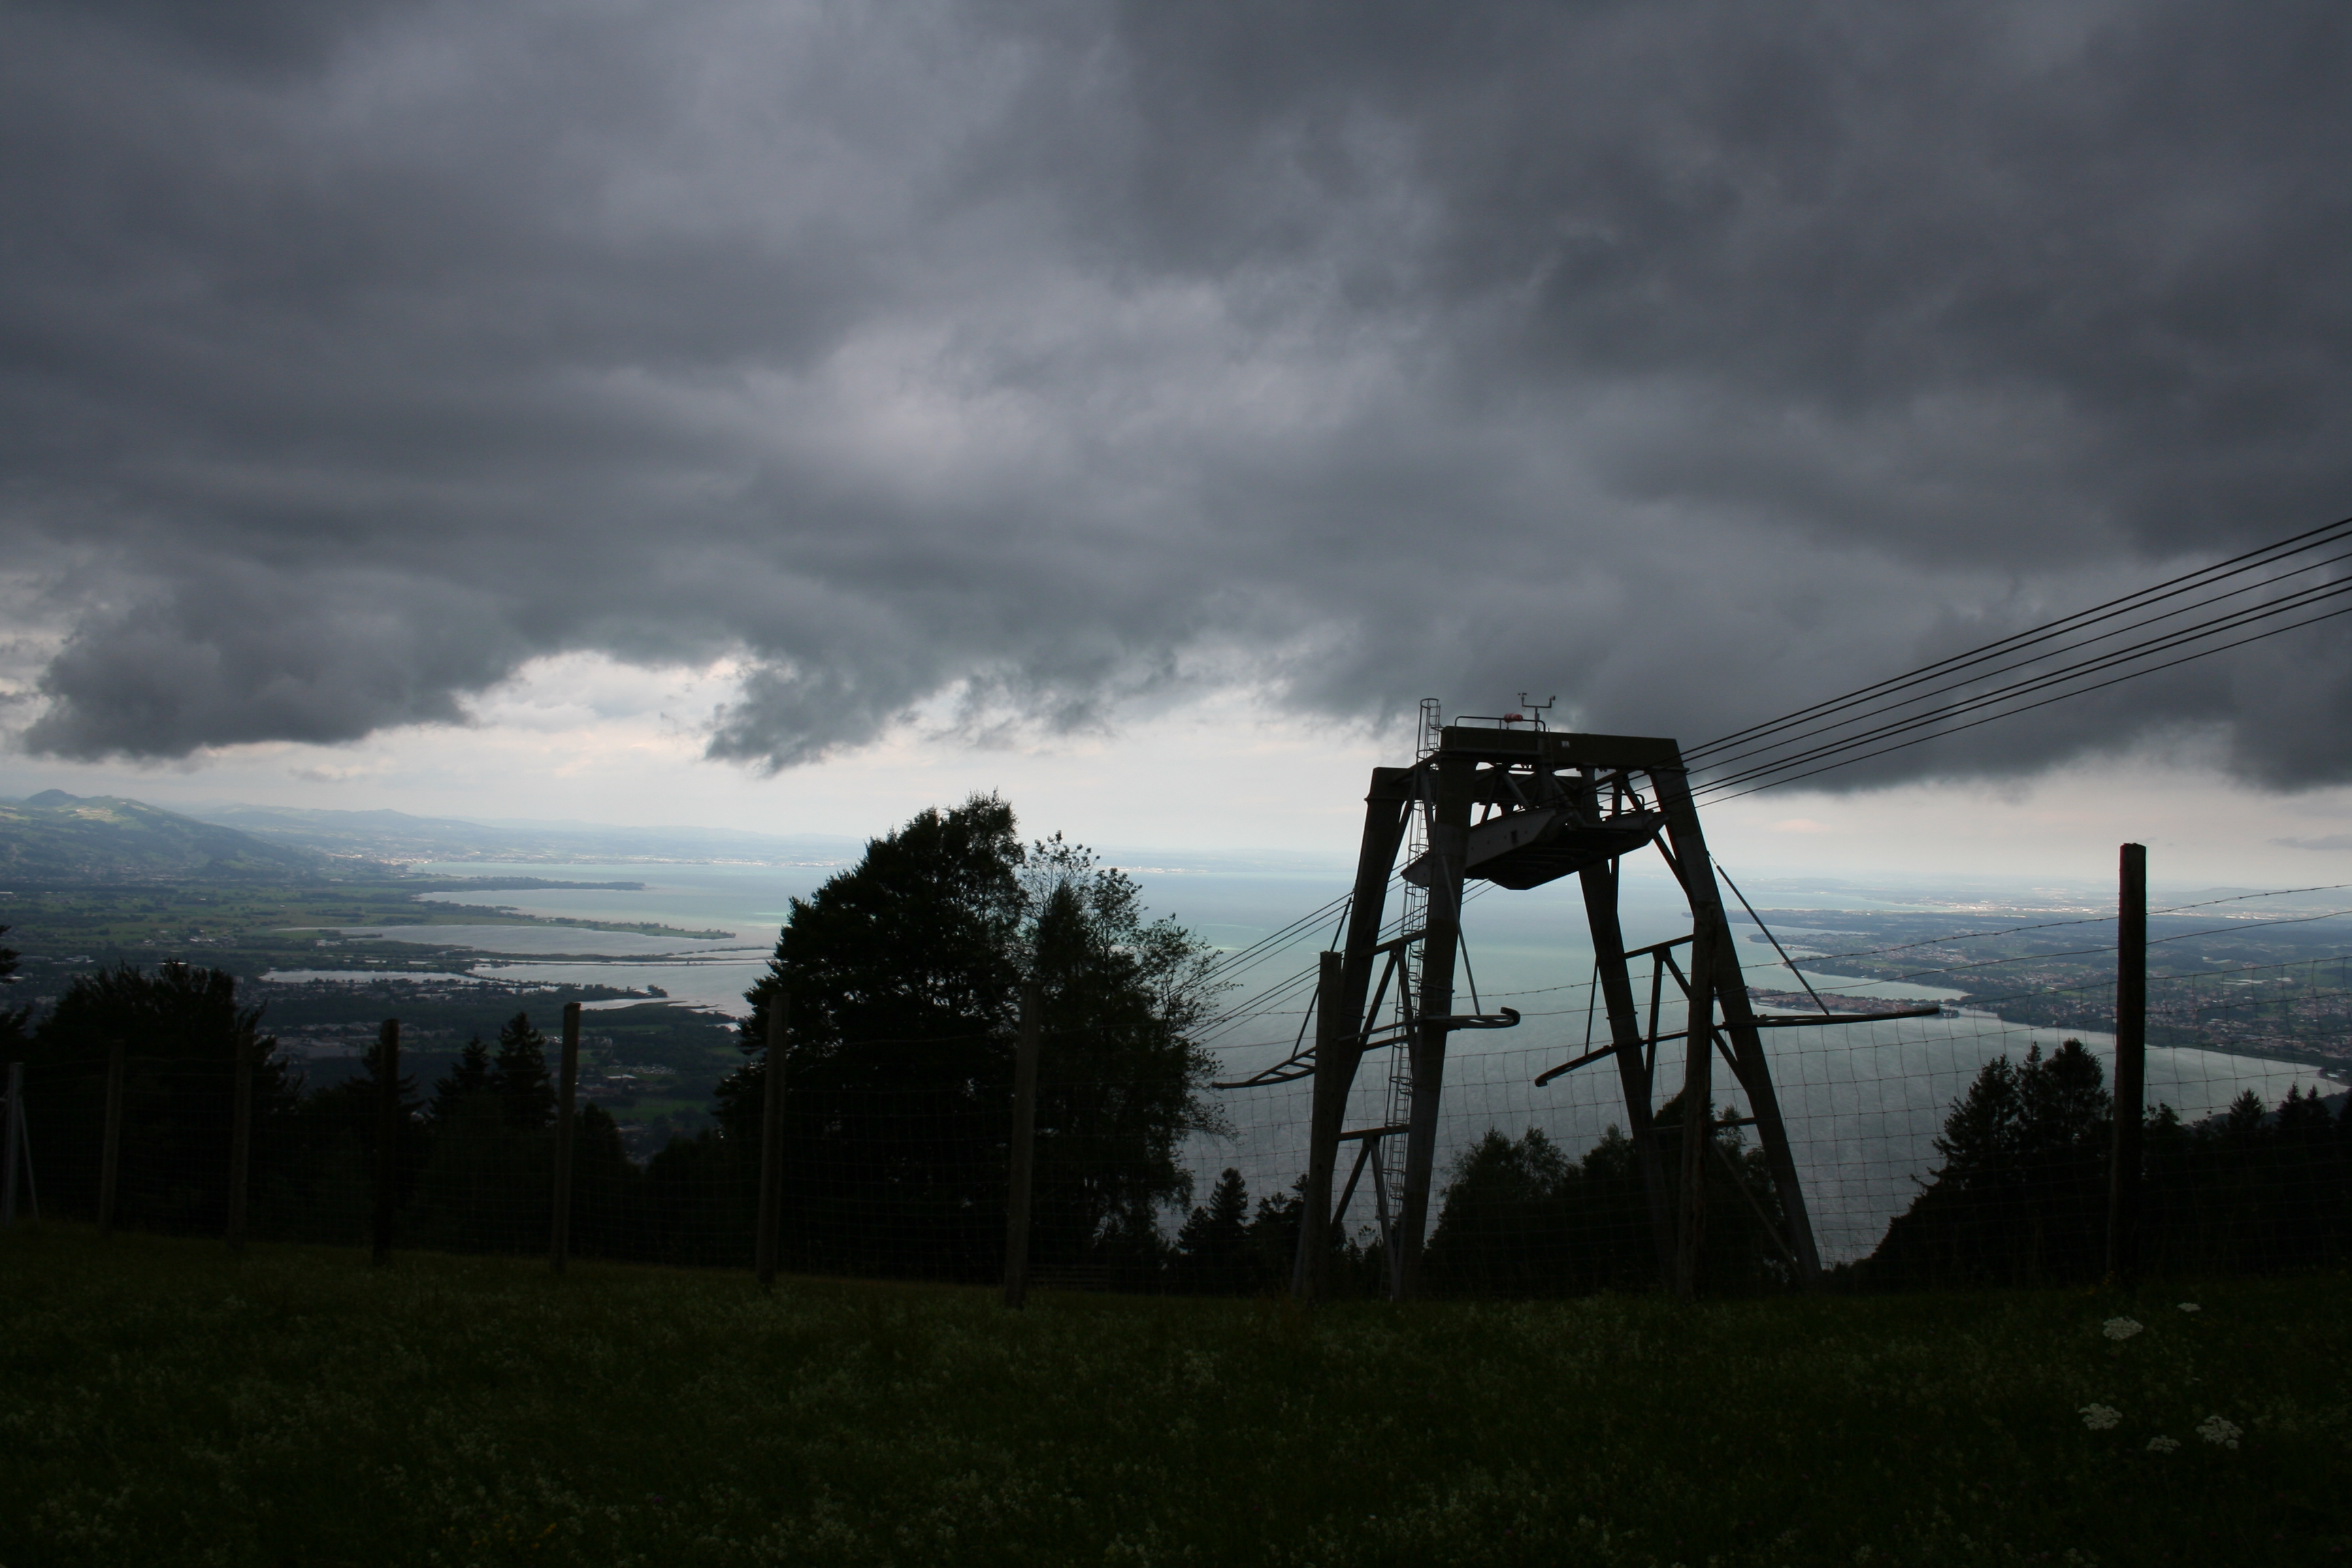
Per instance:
(1507,802)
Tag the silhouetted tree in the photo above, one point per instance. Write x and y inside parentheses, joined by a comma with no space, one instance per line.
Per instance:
(904,974)
(1270,1250)
(180,1028)
(609,1216)
(1518,1217)
(13,1020)
(471,1075)
(1119,1081)
(519,1076)
(2021,1194)
(344,1118)
(2242,1122)
(1210,1243)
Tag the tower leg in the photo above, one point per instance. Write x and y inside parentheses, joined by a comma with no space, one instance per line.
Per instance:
(1756,1078)
(1632,1074)
(1449,845)
(1338,1046)
(1336,1056)
(1722,975)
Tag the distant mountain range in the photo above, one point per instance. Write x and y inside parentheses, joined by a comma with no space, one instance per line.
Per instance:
(55,837)
(59,838)
(395,836)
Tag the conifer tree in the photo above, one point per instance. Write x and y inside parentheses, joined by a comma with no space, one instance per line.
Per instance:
(519,1078)
(2244,1123)
(1211,1241)
(2021,1196)
(348,1113)
(2063,1102)
(1979,1136)
(181,1025)
(2303,1118)
(364,1089)
(471,1076)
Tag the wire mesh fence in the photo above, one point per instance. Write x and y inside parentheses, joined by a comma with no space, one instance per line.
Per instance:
(1937,1151)
(1958,1149)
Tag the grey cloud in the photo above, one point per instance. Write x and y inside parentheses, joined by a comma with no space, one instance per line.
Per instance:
(220,656)
(1691,360)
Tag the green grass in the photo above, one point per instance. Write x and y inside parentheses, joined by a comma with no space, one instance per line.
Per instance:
(163,1404)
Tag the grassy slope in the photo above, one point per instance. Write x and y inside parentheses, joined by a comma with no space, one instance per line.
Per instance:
(58,835)
(160,1403)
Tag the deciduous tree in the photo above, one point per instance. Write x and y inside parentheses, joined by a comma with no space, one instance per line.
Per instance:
(903,976)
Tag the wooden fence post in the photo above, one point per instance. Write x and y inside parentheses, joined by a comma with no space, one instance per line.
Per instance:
(12,1133)
(109,1148)
(559,1239)
(240,1137)
(2131,1064)
(387,1140)
(1022,1180)
(772,1142)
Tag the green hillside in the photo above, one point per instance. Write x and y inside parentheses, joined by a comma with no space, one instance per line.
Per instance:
(168,1405)
(395,836)
(59,838)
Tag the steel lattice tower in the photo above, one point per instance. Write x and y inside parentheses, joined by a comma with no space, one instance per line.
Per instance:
(1508,802)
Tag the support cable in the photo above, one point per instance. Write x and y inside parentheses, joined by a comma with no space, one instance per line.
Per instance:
(2308,540)
(1834,756)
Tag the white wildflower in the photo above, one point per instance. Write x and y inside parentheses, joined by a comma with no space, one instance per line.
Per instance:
(2190,1307)
(2119,1328)
(2100,1417)
(2163,1444)
(2214,1429)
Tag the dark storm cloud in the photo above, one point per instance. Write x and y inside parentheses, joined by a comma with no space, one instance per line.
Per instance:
(1689,359)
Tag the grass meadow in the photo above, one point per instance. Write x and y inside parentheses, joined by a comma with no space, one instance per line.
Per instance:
(164,1404)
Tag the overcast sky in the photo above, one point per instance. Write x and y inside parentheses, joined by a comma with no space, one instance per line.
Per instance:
(782,414)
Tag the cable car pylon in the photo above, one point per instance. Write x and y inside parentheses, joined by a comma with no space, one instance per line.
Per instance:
(1508,801)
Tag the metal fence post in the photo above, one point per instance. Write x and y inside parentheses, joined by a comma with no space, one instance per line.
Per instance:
(12,1135)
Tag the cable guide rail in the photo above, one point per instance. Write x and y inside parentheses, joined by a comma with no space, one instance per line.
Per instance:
(1761,1021)
(1301,1064)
